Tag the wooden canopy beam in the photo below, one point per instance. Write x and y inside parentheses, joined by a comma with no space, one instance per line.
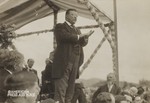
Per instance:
(55,10)
(52,5)
(51,30)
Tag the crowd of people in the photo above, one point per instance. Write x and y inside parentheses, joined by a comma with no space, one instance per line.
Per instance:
(131,94)
(20,83)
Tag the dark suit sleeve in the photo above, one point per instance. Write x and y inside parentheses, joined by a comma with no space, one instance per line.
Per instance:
(95,94)
(119,91)
(63,35)
(76,95)
(83,41)
(82,97)
(35,72)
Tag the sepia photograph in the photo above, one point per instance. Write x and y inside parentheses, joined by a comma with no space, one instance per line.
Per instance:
(74,51)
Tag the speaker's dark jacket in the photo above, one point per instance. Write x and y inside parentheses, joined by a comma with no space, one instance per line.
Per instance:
(68,45)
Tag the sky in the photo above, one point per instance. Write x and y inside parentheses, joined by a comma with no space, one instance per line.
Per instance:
(133,20)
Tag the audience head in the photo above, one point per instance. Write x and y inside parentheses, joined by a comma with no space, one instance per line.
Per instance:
(104,97)
(137,99)
(140,90)
(25,84)
(146,97)
(128,98)
(11,60)
(133,91)
(119,98)
(30,62)
(111,77)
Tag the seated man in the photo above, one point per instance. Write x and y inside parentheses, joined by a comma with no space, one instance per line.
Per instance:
(29,66)
(110,87)
(22,87)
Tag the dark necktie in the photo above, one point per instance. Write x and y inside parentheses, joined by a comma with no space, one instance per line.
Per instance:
(77,46)
(74,28)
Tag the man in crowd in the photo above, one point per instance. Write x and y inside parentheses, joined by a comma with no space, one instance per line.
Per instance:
(146,97)
(10,62)
(30,63)
(68,56)
(22,87)
(47,89)
(110,87)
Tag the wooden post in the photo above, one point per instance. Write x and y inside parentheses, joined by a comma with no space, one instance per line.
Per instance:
(55,10)
(116,43)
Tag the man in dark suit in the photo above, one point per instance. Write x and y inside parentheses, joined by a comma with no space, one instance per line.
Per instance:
(110,87)
(30,63)
(68,56)
(47,81)
(28,67)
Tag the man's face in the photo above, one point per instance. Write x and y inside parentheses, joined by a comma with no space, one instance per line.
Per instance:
(30,63)
(72,17)
(110,78)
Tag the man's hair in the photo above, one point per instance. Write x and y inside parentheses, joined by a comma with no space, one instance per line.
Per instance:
(140,90)
(68,11)
(103,97)
(20,80)
(10,58)
(119,98)
(30,59)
